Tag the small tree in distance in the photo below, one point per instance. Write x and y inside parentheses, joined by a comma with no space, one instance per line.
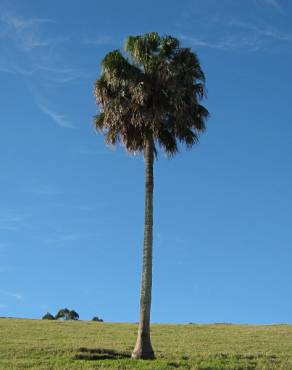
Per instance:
(96,318)
(48,316)
(67,314)
(63,314)
(73,315)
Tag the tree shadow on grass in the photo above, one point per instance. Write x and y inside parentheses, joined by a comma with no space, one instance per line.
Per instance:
(94,354)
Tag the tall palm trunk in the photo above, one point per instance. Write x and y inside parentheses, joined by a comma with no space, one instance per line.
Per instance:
(143,348)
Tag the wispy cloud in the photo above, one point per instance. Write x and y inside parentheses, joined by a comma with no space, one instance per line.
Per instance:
(24,32)
(224,43)
(44,190)
(10,221)
(17,296)
(21,23)
(232,28)
(30,47)
(68,238)
(236,34)
(98,40)
(62,74)
(60,119)
(274,3)
(14,295)
(263,31)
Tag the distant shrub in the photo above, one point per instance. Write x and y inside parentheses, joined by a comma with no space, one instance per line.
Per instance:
(73,315)
(96,318)
(67,314)
(48,316)
(62,314)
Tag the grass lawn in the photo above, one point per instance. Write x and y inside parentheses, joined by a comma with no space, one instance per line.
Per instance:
(36,344)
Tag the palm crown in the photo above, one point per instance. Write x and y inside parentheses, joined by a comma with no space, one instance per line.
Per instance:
(154,94)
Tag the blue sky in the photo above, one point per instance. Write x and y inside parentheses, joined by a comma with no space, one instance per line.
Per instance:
(71,216)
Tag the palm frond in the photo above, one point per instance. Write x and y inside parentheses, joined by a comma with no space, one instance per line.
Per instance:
(168,142)
(143,49)
(99,122)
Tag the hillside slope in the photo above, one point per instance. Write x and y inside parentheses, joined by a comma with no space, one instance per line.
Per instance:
(35,344)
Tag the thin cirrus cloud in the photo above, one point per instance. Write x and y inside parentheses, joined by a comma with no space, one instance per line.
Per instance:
(30,48)
(44,190)
(236,34)
(274,3)
(26,49)
(99,40)
(224,43)
(11,222)
(60,119)
(67,238)
(234,29)
(264,32)
(15,295)
(21,23)
(25,33)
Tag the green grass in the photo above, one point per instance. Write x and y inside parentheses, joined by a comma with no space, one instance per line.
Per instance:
(35,344)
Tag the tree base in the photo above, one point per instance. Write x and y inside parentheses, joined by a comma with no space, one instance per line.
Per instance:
(143,349)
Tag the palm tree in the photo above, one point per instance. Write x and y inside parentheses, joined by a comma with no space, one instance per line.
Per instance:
(147,99)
